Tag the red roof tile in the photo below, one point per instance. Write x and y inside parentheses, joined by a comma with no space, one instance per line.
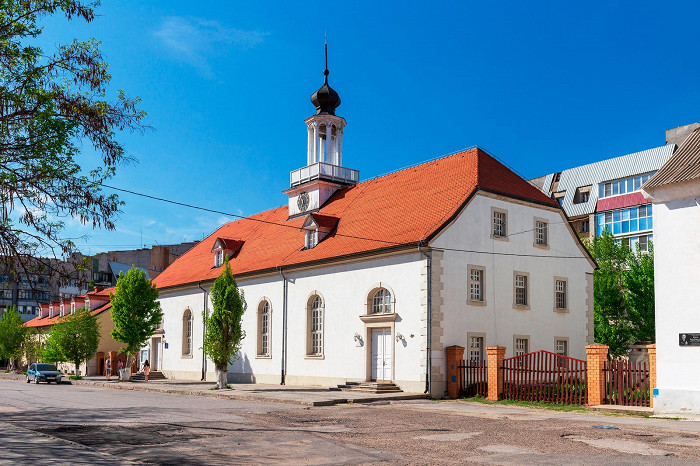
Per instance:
(401,208)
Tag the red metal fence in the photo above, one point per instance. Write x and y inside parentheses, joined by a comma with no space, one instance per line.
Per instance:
(627,383)
(473,378)
(545,376)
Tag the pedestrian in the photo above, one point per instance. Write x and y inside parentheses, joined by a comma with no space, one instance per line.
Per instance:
(108,368)
(146,369)
(120,369)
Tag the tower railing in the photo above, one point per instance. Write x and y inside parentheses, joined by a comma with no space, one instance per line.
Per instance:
(324,171)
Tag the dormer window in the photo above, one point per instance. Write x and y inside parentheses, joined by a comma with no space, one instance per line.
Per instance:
(225,247)
(87,303)
(62,309)
(317,227)
(72,307)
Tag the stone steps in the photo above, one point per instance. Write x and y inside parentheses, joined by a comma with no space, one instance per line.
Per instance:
(155,375)
(370,387)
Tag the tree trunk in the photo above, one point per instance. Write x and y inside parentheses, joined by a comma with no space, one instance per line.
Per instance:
(77,368)
(127,368)
(221,376)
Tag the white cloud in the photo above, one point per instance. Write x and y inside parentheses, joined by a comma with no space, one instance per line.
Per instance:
(194,40)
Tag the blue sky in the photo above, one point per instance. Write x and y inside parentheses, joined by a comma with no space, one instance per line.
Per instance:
(542,85)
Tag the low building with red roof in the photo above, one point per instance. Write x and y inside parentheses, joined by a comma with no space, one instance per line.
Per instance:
(371,281)
(99,304)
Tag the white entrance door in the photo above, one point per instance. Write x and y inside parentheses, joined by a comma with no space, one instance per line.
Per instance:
(381,354)
(155,353)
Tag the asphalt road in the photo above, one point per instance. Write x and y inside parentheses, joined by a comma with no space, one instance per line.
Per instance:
(78,424)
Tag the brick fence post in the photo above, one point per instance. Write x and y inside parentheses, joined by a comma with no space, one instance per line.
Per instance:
(596,355)
(651,349)
(454,356)
(495,354)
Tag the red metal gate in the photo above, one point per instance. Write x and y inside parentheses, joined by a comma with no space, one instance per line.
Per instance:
(545,376)
(627,383)
(473,376)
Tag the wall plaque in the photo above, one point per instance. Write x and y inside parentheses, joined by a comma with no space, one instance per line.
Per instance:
(689,339)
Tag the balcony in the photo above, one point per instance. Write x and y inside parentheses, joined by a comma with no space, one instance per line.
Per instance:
(324,171)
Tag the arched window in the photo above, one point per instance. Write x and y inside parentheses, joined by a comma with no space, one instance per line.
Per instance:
(315,320)
(381,302)
(264,328)
(187,333)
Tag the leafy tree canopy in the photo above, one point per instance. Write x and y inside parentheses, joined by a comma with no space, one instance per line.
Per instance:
(135,310)
(623,294)
(224,333)
(12,334)
(51,105)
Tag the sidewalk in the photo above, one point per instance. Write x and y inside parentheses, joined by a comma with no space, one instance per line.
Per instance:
(290,394)
(22,446)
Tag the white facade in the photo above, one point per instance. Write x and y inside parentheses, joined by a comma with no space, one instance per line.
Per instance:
(346,290)
(677,295)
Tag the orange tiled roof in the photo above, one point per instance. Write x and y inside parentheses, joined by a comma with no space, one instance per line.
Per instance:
(40,321)
(401,208)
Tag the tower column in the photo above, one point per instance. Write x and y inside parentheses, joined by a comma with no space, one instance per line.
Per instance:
(310,145)
(316,151)
(329,136)
(339,139)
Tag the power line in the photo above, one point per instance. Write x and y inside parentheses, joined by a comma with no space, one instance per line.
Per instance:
(243,217)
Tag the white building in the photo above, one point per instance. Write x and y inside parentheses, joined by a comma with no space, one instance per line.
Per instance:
(372,281)
(675,193)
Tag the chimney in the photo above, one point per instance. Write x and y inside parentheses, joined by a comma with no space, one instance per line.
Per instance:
(677,135)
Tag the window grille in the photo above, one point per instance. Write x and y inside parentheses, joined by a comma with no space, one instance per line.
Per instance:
(187,333)
(317,326)
(476,348)
(219,258)
(561,347)
(265,328)
(381,302)
(476,285)
(521,346)
(541,233)
(521,290)
(560,292)
(499,224)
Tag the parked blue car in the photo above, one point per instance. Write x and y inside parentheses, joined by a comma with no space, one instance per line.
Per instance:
(40,372)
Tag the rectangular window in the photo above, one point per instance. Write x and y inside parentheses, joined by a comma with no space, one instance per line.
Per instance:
(541,233)
(561,347)
(499,224)
(585,226)
(476,348)
(521,346)
(476,285)
(219,258)
(311,239)
(643,243)
(607,190)
(560,294)
(521,290)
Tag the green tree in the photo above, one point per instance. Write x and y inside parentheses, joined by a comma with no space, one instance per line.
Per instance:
(74,338)
(13,334)
(639,282)
(54,104)
(31,348)
(623,292)
(223,336)
(135,311)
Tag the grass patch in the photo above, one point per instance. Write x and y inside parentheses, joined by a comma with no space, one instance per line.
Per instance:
(227,386)
(528,404)
(75,377)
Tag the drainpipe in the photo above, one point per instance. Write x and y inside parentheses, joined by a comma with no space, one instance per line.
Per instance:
(284,328)
(204,330)
(429,318)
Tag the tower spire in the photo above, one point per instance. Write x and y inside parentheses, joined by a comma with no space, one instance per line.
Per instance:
(325,49)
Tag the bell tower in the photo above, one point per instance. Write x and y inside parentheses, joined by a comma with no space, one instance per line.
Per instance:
(312,185)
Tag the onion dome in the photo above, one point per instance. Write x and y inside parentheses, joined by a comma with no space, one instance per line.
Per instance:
(326,100)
